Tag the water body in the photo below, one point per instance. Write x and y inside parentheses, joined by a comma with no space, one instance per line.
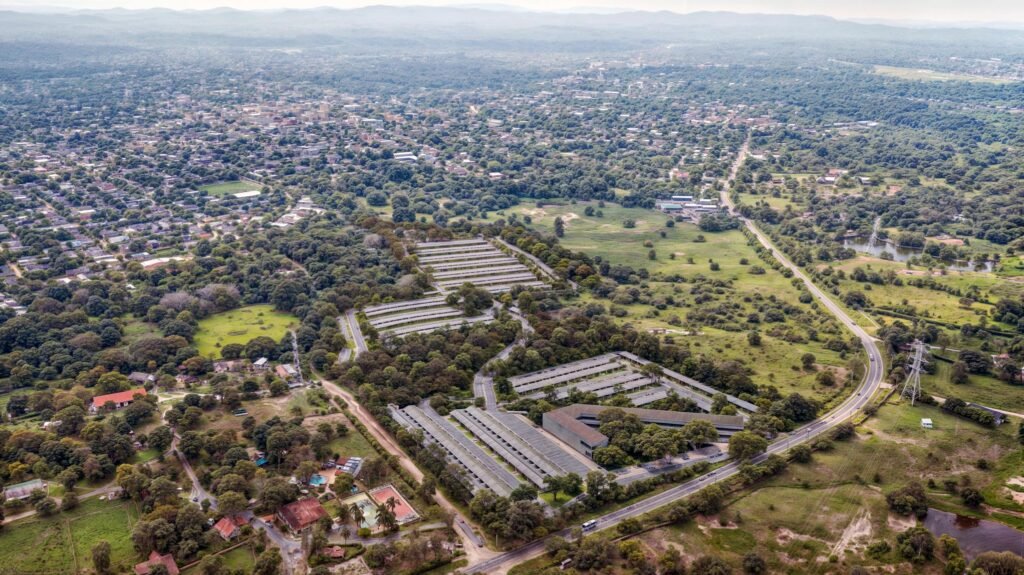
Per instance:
(876,247)
(975,536)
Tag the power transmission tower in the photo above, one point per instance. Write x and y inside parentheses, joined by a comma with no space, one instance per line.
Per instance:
(912,385)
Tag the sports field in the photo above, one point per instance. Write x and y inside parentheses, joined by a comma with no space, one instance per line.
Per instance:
(934,76)
(240,326)
(228,188)
(404,513)
(368,507)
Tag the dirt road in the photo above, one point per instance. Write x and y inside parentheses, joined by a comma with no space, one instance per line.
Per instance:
(471,542)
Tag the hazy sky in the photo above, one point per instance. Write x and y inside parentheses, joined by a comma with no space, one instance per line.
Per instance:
(933,10)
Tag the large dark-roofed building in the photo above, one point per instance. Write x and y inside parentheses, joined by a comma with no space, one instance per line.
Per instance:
(576,425)
(299,515)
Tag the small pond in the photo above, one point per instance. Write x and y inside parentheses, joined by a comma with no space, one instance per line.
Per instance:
(975,535)
(877,247)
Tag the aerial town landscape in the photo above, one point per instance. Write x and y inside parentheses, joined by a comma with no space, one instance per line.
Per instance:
(424,290)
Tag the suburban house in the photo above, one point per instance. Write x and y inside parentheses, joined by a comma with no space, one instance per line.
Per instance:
(286,371)
(302,514)
(119,399)
(155,559)
(261,364)
(229,366)
(229,527)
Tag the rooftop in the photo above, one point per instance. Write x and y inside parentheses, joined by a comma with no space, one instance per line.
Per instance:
(301,514)
(570,417)
(119,397)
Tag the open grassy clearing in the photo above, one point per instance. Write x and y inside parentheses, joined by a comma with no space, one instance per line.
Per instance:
(63,543)
(240,326)
(227,188)
(676,308)
(137,328)
(775,362)
(934,76)
(609,238)
(983,389)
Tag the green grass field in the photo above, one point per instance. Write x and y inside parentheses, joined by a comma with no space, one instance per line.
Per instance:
(933,76)
(240,326)
(608,238)
(63,543)
(227,188)
(983,389)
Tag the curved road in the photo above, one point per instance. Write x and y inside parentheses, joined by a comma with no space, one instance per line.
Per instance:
(870,384)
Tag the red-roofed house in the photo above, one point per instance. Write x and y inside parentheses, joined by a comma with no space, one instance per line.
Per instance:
(228,527)
(157,559)
(119,399)
(300,515)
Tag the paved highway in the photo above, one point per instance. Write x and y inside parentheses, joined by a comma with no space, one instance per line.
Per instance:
(870,384)
(355,332)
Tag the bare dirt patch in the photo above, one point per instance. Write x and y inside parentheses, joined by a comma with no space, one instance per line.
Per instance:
(569,217)
(857,533)
(898,523)
(784,536)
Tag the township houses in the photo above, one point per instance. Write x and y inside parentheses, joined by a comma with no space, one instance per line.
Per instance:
(119,399)
(146,567)
(301,515)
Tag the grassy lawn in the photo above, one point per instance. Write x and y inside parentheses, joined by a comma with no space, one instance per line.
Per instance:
(63,543)
(240,326)
(145,455)
(226,188)
(352,445)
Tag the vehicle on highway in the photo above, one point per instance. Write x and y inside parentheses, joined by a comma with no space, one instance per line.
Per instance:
(588,525)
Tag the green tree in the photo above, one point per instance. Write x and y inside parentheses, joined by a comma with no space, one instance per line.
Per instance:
(101,557)
(708,565)
(745,445)
(268,563)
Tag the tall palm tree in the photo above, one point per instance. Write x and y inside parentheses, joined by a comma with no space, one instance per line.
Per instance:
(391,503)
(357,515)
(344,514)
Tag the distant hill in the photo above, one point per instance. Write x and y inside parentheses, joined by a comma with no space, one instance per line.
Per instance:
(480,27)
